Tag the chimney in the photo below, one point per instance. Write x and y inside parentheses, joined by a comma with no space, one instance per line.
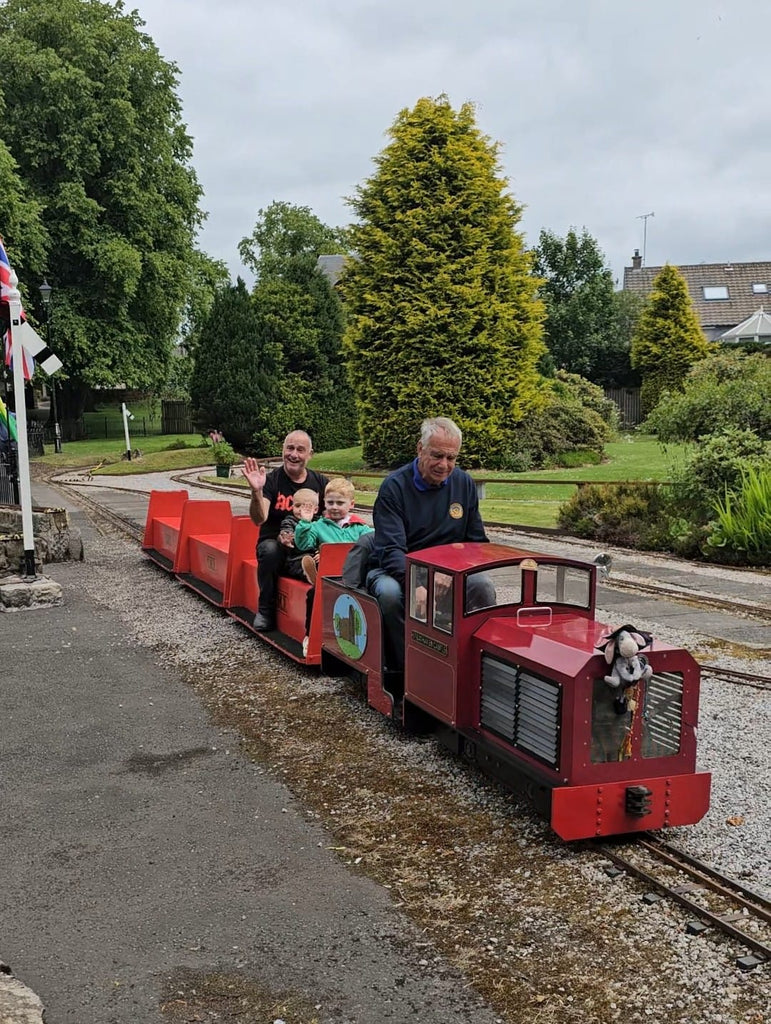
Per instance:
(636,260)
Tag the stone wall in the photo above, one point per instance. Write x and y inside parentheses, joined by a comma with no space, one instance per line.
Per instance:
(56,539)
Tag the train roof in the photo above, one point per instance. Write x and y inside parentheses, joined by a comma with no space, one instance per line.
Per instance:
(473,555)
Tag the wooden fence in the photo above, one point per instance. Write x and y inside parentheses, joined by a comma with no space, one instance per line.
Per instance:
(628,402)
(176,418)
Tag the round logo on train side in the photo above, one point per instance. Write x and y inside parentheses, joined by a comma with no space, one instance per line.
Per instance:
(350,626)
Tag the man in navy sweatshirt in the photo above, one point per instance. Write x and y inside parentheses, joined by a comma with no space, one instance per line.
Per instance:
(429,501)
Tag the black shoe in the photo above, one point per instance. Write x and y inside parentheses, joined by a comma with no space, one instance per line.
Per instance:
(263,624)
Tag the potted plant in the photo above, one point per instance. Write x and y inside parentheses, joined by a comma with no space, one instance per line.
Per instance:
(223,453)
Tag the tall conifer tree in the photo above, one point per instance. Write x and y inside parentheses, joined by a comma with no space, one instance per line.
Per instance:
(668,339)
(443,317)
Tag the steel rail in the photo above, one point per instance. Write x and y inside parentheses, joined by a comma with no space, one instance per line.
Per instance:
(742,678)
(718,921)
(715,880)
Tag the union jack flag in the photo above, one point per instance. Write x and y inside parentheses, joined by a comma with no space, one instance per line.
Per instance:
(28,363)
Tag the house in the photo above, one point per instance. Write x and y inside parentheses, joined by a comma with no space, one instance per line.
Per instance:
(723,294)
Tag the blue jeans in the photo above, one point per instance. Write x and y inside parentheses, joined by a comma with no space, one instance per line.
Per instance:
(389,595)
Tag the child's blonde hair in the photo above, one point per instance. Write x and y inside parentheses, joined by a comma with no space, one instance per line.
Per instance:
(305,496)
(339,485)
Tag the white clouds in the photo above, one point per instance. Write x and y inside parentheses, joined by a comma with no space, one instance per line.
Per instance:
(606,109)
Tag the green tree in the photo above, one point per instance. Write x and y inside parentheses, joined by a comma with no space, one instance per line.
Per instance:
(581,329)
(236,382)
(286,242)
(92,119)
(443,316)
(207,277)
(626,312)
(668,339)
(21,222)
(301,313)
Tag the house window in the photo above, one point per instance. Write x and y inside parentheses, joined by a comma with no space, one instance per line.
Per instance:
(760,289)
(715,291)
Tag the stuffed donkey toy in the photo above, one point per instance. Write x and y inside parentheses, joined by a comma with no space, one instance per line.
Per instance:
(628,666)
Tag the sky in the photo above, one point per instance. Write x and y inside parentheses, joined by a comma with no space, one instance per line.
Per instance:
(605,110)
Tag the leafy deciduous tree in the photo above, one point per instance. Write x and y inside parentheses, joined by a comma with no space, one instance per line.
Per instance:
(286,242)
(580,328)
(442,312)
(668,339)
(300,312)
(93,121)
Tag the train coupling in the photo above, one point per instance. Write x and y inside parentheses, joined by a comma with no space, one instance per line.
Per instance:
(638,801)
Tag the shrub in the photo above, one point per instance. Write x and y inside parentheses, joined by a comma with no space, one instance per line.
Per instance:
(548,435)
(629,514)
(742,532)
(716,464)
(591,396)
(729,389)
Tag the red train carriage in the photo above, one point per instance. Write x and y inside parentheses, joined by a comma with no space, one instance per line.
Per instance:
(517,685)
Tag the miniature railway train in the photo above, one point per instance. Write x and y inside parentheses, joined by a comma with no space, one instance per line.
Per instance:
(519,687)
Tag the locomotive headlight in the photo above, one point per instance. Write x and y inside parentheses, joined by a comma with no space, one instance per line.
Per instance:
(603,563)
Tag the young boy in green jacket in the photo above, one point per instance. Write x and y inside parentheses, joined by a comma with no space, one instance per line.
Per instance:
(339,525)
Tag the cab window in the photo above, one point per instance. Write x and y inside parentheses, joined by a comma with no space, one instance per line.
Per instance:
(443,599)
(418,588)
(563,584)
(492,588)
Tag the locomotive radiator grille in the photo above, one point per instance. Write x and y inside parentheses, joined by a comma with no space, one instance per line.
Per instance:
(522,708)
(662,714)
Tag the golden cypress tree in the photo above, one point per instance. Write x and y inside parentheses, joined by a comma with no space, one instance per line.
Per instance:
(443,317)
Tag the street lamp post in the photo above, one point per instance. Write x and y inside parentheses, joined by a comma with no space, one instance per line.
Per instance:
(45,295)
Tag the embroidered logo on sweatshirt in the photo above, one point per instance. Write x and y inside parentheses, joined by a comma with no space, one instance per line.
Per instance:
(456,510)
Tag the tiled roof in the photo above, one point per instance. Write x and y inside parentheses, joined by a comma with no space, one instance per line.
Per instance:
(331,267)
(738,278)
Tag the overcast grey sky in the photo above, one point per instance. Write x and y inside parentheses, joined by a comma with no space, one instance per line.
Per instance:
(605,109)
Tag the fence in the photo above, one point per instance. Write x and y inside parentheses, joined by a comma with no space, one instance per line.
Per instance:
(9,474)
(628,402)
(176,418)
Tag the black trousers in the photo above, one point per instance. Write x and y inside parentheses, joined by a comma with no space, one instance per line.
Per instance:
(274,560)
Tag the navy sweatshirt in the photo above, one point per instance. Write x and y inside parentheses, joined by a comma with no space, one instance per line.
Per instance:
(408,519)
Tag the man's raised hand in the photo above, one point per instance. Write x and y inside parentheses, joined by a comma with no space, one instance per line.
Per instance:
(254,474)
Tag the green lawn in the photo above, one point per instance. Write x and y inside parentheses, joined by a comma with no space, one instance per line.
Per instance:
(533,502)
(108,454)
(108,419)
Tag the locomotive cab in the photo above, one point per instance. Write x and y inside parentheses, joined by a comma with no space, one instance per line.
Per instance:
(502,649)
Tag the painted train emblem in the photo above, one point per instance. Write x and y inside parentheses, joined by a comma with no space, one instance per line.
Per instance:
(350,626)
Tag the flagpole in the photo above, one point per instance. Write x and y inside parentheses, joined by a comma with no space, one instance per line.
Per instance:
(25,493)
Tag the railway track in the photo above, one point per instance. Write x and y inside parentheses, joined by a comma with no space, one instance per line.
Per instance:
(714,900)
(135,531)
(104,514)
(740,678)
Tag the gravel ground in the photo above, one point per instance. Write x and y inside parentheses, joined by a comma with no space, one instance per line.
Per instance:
(548,922)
